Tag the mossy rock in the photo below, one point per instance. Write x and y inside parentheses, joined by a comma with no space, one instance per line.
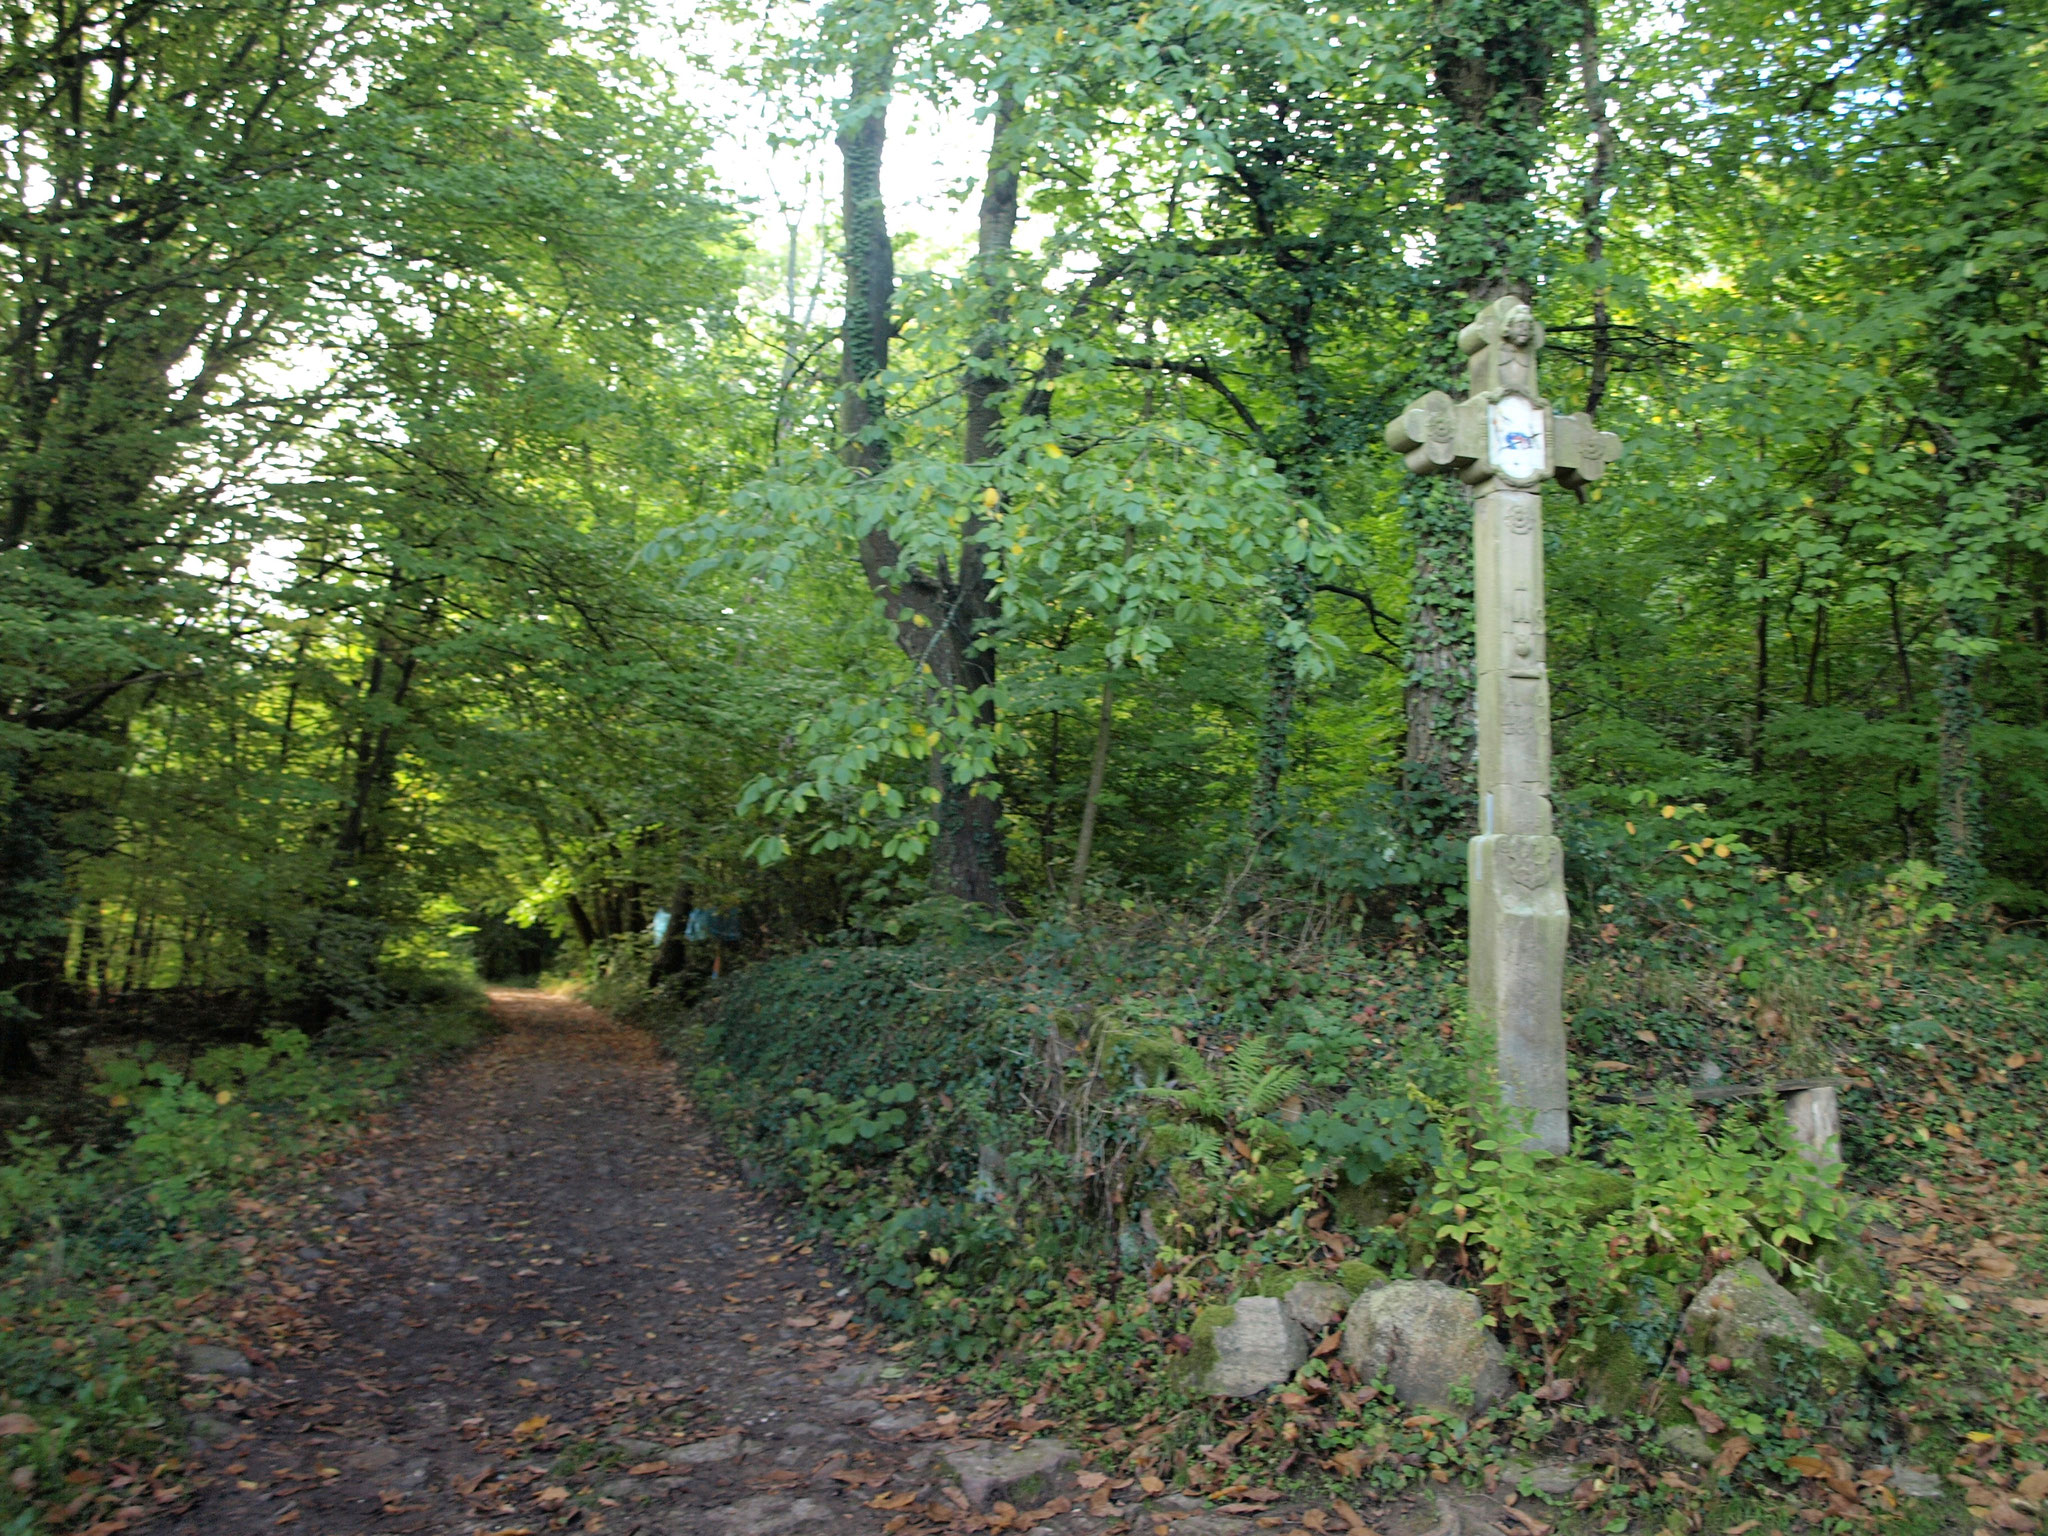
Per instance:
(1360,1208)
(1193,1368)
(1778,1346)
(1610,1372)
(1847,1287)
(1357,1276)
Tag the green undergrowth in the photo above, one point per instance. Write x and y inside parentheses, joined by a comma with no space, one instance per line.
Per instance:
(115,1258)
(1047,1154)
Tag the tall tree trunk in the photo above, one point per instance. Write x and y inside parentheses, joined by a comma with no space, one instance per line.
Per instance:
(1443,729)
(1098,765)
(1293,600)
(1491,69)
(942,617)
(1959,818)
(1593,205)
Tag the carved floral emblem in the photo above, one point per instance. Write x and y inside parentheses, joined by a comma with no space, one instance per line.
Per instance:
(1527,861)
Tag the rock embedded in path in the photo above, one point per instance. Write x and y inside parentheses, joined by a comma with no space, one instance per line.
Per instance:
(1431,1342)
(700,1453)
(215,1360)
(768,1514)
(1255,1347)
(1745,1315)
(1022,1476)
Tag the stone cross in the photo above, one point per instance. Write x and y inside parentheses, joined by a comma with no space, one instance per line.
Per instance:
(1504,441)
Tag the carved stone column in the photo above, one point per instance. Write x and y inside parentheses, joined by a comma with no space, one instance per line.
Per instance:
(1504,441)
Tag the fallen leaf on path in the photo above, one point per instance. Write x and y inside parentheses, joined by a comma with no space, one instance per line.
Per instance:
(1732,1451)
(838,1320)
(1555,1391)
(648,1469)
(286,1518)
(550,1497)
(1151,1484)
(18,1424)
(1989,1262)
(2034,1486)
(2030,1306)
(903,1498)
(1710,1422)
(532,1426)
(1743,1529)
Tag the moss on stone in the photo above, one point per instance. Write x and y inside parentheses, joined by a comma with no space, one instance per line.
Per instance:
(1611,1370)
(1847,1288)
(1359,1208)
(1193,1368)
(1358,1277)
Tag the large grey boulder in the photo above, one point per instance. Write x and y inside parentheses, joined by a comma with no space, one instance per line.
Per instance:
(1748,1318)
(1260,1346)
(1020,1475)
(1432,1344)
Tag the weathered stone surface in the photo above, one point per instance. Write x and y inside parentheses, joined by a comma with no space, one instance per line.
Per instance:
(1432,1344)
(850,1410)
(1555,1479)
(1260,1347)
(1815,1118)
(208,1430)
(1687,1442)
(898,1421)
(699,1453)
(1211,1525)
(215,1360)
(1315,1304)
(769,1514)
(1504,439)
(1746,1315)
(855,1375)
(1911,1483)
(1022,1476)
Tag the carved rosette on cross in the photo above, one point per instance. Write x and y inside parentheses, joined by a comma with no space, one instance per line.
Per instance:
(1504,441)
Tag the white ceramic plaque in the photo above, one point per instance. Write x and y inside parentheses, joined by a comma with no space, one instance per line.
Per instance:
(1514,433)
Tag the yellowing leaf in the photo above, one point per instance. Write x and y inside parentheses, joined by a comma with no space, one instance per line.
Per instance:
(532,1426)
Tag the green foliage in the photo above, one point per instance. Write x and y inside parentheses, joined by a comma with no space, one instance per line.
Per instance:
(1561,1247)
(112,1257)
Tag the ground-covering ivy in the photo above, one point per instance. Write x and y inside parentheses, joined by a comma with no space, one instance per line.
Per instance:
(1046,1154)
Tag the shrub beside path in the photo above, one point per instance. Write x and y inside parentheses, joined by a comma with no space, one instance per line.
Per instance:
(549,1303)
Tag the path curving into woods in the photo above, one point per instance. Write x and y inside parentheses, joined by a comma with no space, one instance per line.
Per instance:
(545,1259)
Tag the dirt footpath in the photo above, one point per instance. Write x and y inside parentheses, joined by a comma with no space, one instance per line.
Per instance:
(551,1306)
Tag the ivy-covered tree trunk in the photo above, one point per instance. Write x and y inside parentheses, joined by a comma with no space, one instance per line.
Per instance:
(1293,604)
(1492,67)
(942,617)
(1443,731)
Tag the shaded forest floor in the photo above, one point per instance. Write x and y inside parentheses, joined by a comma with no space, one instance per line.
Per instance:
(545,1301)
